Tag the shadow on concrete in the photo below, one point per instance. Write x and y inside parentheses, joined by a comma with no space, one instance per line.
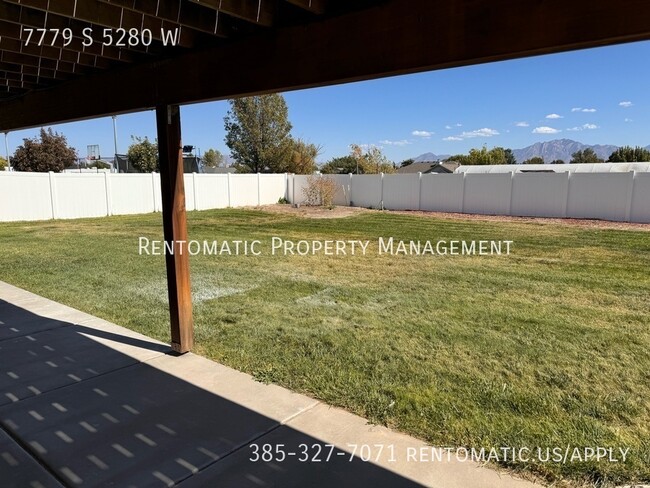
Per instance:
(74,412)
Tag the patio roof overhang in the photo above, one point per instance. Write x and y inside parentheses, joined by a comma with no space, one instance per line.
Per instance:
(231,48)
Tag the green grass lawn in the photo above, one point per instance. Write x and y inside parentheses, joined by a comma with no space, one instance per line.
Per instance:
(547,347)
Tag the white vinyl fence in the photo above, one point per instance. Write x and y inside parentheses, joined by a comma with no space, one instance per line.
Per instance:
(607,196)
(42,196)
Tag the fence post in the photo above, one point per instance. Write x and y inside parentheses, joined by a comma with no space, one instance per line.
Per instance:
(107,189)
(196,199)
(630,196)
(350,201)
(53,196)
(381,203)
(566,200)
(228,178)
(462,194)
(259,195)
(512,185)
(153,190)
(286,186)
(419,190)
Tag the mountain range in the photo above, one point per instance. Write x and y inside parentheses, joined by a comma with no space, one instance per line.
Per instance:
(548,151)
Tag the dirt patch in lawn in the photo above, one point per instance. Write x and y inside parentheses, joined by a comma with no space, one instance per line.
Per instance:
(341,212)
(314,212)
(587,223)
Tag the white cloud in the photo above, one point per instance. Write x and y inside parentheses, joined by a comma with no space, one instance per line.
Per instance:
(448,127)
(459,125)
(484,132)
(584,127)
(402,142)
(422,133)
(580,109)
(626,104)
(522,124)
(545,130)
(554,116)
(628,120)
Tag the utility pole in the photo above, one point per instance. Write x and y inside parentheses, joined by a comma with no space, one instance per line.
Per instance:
(117,169)
(7,151)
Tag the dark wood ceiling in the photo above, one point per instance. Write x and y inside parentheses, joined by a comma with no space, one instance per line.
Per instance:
(89,38)
(229,48)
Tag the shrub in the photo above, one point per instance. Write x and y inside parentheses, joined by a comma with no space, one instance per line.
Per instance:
(143,155)
(320,190)
(48,152)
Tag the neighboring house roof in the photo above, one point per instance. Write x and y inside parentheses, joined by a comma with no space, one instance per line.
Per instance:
(428,167)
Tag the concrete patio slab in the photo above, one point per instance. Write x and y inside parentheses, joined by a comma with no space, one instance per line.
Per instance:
(19,470)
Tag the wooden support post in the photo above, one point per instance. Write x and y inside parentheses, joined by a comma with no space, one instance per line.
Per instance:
(168,122)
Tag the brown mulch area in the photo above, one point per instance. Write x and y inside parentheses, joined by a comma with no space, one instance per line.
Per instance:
(340,212)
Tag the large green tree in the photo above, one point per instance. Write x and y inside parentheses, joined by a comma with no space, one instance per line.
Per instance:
(48,152)
(585,156)
(257,133)
(143,155)
(3,163)
(628,154)
(212,158)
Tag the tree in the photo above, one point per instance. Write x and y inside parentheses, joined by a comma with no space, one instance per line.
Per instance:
(212,158)
(342,165)
(496,155)
(372,161)
(585,156)
(534,160)
(627,154)
(48,152)
(558,161)
(257,133)
(3,163)
(143,155)
(302,160)
(406,162)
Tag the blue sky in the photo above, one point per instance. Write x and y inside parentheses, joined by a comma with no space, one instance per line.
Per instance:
(595,96)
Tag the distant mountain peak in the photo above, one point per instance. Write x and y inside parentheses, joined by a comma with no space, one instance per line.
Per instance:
(429,157)
(560,149)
